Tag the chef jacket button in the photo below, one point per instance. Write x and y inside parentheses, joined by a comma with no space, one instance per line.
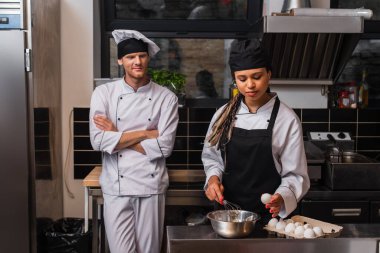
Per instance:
(121,176)
(121,97)
(149,119)
(150,99)
(118,119)
(121,155)
(152,175)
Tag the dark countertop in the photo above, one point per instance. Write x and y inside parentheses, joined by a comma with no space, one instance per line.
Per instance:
(321,192)
(316,192)
(193,193)
(354,238)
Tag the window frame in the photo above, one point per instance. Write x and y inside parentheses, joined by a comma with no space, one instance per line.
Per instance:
(254,14)
(174,28)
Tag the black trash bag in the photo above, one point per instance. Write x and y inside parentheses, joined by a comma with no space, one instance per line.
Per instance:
(41,225)
(67,236)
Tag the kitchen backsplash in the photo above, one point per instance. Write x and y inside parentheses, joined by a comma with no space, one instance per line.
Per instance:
(42,140)
(363,124)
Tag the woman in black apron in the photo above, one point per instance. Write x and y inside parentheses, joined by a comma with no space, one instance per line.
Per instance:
(244,152)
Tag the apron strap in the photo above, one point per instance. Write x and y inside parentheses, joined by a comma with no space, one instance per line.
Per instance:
(274,114)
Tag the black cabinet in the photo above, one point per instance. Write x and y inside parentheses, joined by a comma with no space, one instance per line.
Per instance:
(338,211)
(375,212)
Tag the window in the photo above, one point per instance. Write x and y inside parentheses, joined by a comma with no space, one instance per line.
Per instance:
(367,53)
(204,62)
(182,16)
(365,56)
(371,26)
(196,9)
(194,36)
(374,5)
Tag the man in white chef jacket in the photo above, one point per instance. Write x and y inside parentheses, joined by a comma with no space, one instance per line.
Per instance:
(133,122)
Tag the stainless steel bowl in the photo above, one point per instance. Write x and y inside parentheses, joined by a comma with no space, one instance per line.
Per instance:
(233,223)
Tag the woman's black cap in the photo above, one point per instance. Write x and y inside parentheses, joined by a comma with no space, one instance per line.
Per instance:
(248,54)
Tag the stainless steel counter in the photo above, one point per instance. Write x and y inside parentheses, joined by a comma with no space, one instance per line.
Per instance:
(355,238)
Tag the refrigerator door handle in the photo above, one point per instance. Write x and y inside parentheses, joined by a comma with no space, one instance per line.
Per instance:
(28,60)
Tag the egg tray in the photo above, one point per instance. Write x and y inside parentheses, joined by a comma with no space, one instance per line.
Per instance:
(329,230)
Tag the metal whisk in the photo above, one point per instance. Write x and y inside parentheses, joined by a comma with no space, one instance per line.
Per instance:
(230,206)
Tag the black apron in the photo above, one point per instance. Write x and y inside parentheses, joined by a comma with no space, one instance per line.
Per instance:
(250,169)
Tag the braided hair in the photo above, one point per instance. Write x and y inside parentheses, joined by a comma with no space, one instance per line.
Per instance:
(222,128)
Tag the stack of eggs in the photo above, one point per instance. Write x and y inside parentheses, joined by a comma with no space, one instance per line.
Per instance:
(295,229)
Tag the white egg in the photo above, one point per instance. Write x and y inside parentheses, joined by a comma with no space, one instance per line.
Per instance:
(272,223)
(318,231)
(299,231)
(298,224)
(265,198)
(290,228)
(281,225)
(309,233)
(306,226)
(289,221)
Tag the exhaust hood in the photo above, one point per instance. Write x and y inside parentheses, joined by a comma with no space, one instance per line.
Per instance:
(310,50)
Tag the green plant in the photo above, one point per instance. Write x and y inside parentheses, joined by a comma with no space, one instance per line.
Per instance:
(173,80)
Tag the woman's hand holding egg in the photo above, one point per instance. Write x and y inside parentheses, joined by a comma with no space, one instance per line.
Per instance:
(274,204)
(265,198)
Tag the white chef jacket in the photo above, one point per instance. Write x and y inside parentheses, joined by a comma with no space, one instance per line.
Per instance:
(287,149)
(126,171)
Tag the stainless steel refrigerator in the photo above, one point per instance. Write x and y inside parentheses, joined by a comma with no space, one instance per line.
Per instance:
(16,147)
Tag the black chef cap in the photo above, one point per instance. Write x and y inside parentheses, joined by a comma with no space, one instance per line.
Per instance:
(248,54)
(130,46)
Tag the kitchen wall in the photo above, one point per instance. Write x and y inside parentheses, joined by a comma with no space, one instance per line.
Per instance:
(77,59)
(363,126)
(47,105)
(77,75)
